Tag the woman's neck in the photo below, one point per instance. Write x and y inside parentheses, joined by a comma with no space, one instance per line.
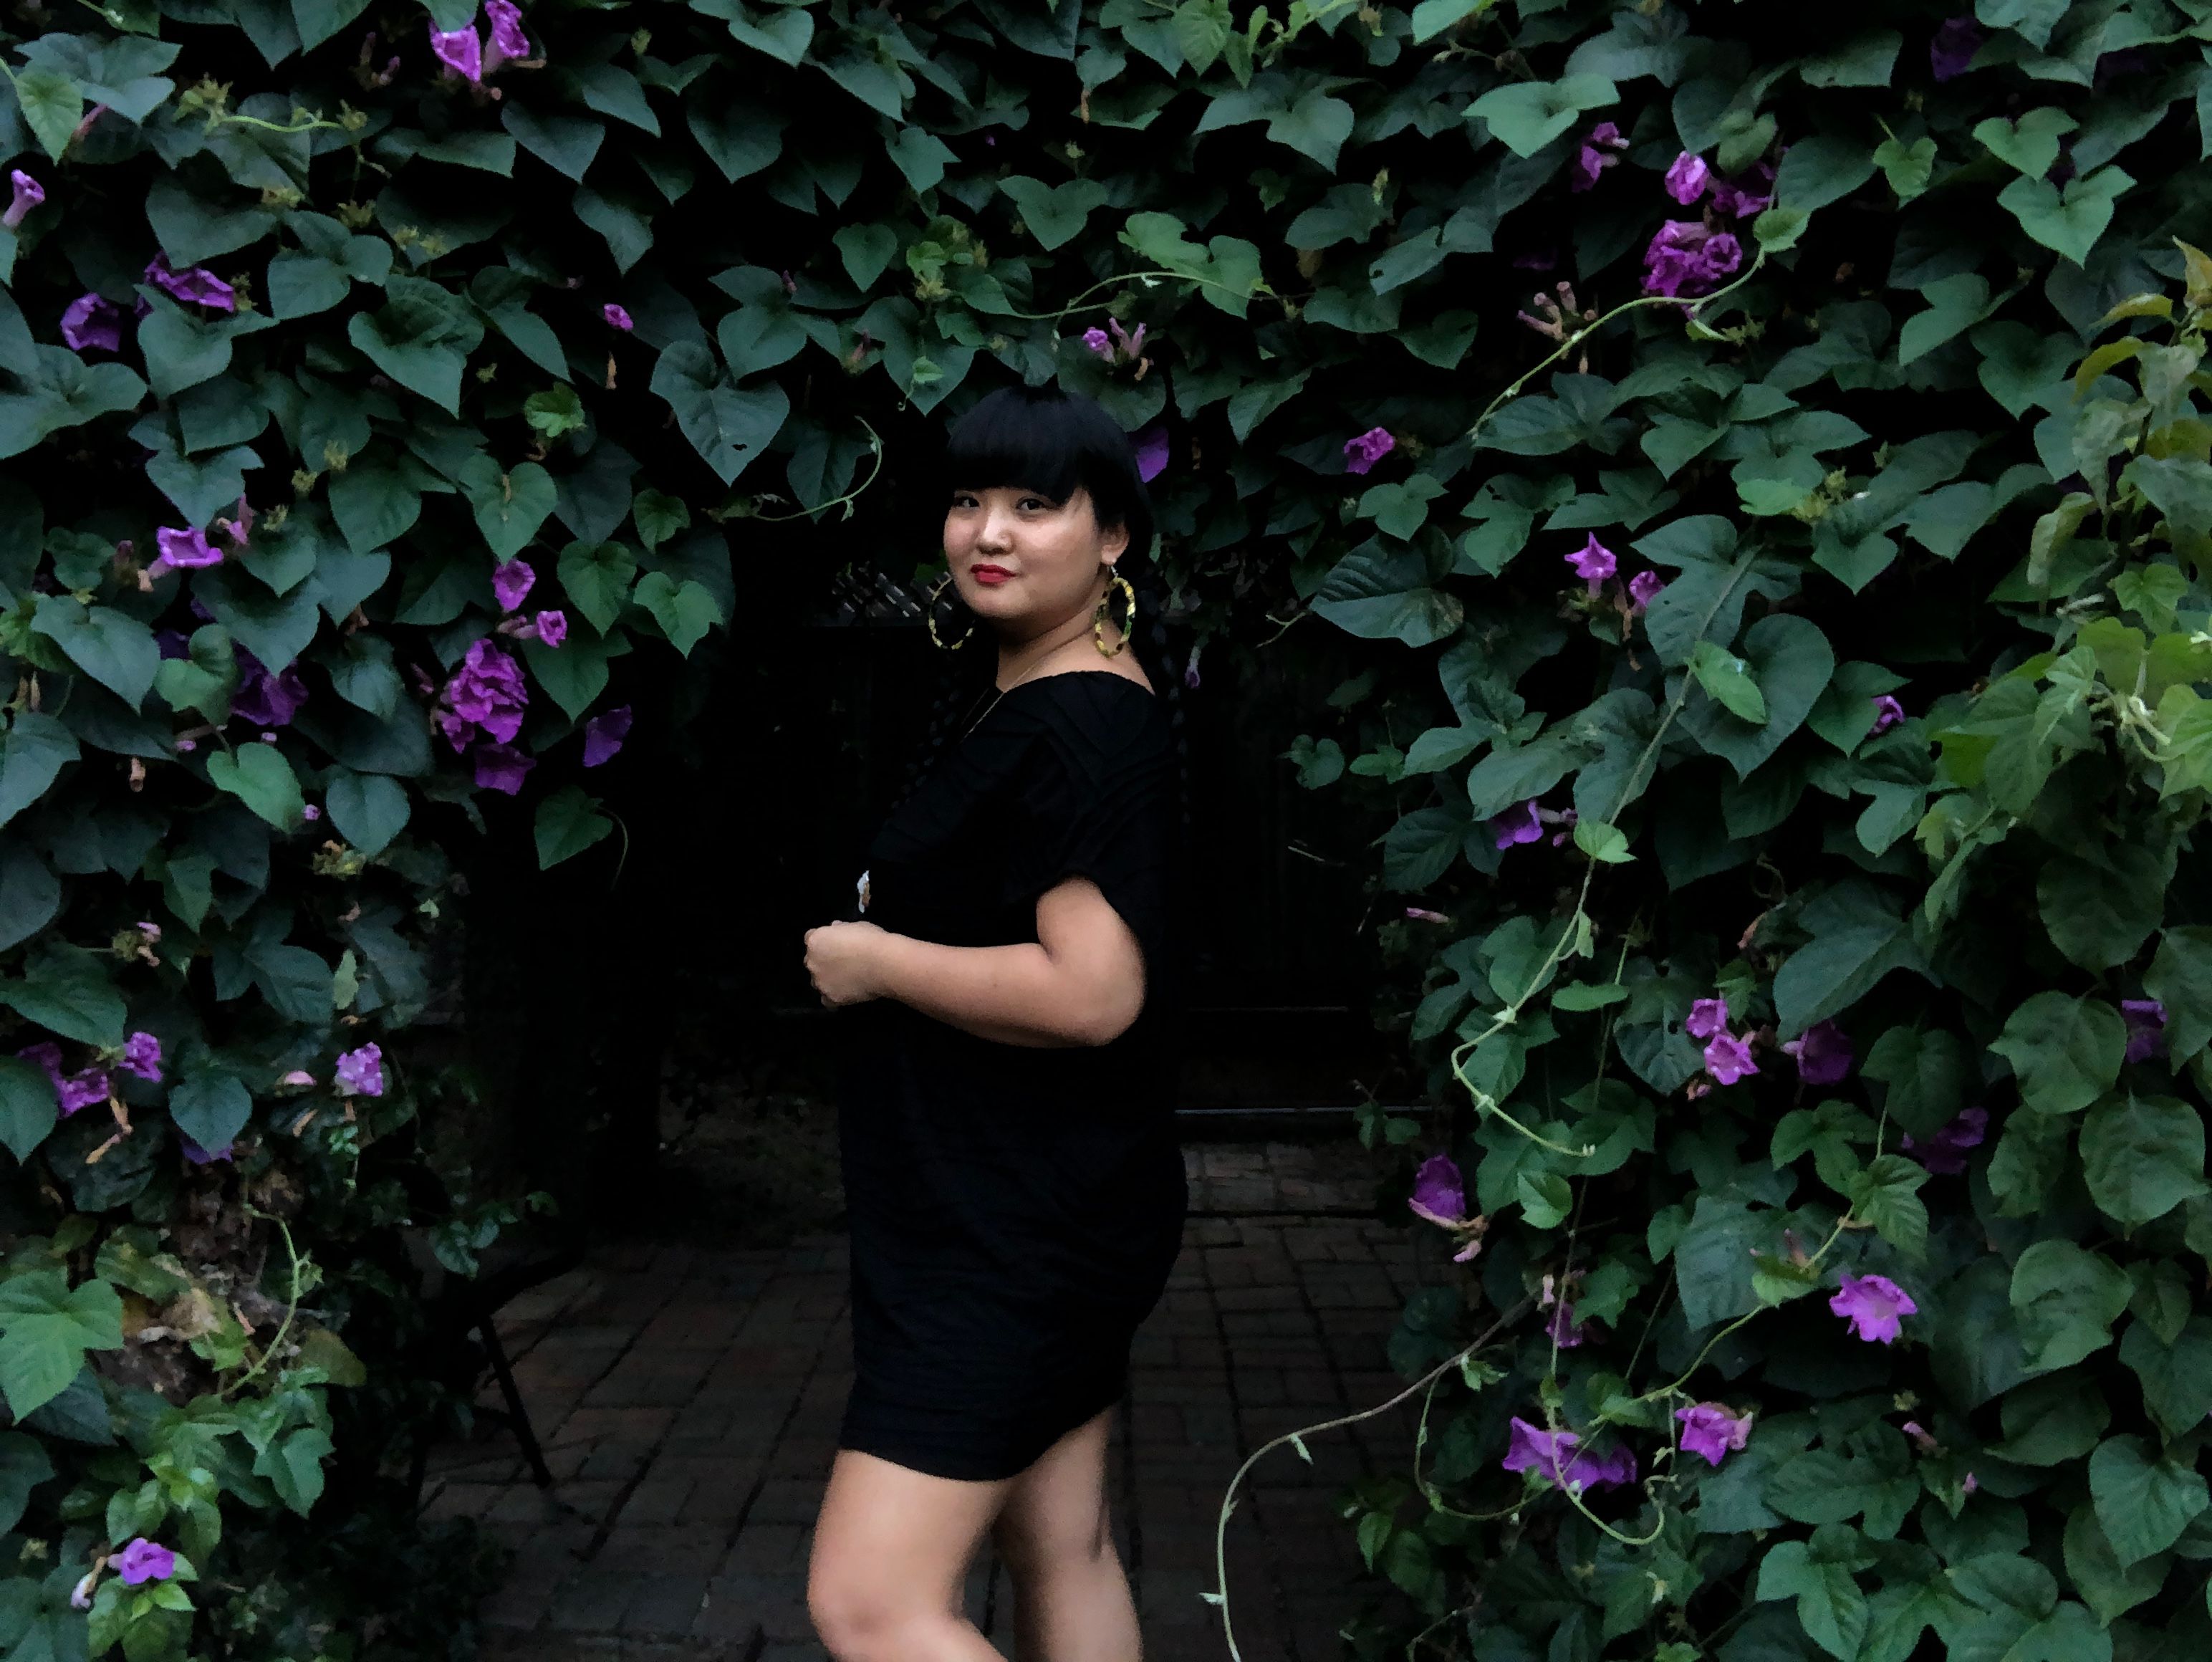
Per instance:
(1023,660)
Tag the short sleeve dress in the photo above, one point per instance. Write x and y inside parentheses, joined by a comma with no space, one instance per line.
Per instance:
(1014,1210)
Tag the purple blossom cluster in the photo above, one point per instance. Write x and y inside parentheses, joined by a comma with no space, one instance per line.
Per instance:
(1596,565)
(92,1085)
(1689,257)
(1600,150)
(1120,346)
(485,696)
(1874,1306)
(472,57)
(1728,1056)
(360,1072)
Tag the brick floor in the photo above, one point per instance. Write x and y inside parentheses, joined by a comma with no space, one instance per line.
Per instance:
(687,1401)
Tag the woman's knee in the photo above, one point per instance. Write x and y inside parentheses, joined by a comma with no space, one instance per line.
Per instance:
(856,1621)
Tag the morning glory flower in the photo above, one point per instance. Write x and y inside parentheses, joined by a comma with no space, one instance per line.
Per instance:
(1593,562)
(1368,449)
(1643,588)
(1708,1017)
(91,320)
(1099,342)
(1952,51)
(1439,1193)
(182,548)
(1594,156)
(1728,1058)
(604,734)
(511,584)
(1687,254)
(265,700)
(550,627)
(143,1561)
(1709,1430)
(30,193)
(142,1055)
(460,51)
(1152,452)
(501,768)
(2146,1019)
(617,317)
(1887,713)
(360,1072)
(507,39)
(1518,825)
(1129,346)
(1823,1051)
(1945,1154)
(82,1089)
(1687,177)
(1602,1470)
(487,692)
(198,284)
(1732,198)
(1873,1305)
(1563,1330)
(1529,1448)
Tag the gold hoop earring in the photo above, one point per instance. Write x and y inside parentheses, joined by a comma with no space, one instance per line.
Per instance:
(929,617)
(1104,612)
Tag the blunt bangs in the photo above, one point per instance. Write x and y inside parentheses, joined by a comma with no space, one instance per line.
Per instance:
(1048,441)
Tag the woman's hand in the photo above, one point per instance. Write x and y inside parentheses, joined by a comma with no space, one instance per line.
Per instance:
(840,958)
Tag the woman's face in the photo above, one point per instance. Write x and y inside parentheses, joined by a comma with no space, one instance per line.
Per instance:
(1024,562)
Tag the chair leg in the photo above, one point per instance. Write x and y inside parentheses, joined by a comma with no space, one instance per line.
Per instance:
(518,1415)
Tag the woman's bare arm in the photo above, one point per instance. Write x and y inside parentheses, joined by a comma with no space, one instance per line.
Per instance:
(1081,982)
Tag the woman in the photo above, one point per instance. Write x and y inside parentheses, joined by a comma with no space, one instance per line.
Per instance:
(1011,1168)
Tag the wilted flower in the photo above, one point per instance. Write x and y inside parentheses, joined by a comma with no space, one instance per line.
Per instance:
(1362,452)
(1152,452)
(1686,255)
(1098,341)
(30,193)
(1554,1454)
(143,1561)
(1873,1305)
(617,317)
(2146,1019)
(1602,1470)
(1728,1058)
(1951,50)
(142,1055)
(360,1072)
(1887,713)
(90,321)
(1425,915)
(1563,1330)
(604,734)
(265,700)
(182,549)
(507,40)
(1823,1053)
(197,285)
(78,1090)
(1130,347)
(1687,177)
(1518,825)
(1709,1430)
(1594,156)
(1593,562)
(1643,588)
(510,583)
(460,51)
(1439,1193)
(297,1076)
(1738,200)
(81,1594)
(501,768)
(550,627)
(487,692)
(1708,1017)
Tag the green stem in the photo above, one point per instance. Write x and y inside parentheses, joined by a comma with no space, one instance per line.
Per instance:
(291,1310)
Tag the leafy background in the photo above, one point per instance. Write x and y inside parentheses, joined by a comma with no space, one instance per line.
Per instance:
(1941,440)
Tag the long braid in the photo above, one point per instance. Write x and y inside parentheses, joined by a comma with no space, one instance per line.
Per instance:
(1167,678)
(958,682)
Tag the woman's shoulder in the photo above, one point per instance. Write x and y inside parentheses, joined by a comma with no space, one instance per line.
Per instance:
(1098,720)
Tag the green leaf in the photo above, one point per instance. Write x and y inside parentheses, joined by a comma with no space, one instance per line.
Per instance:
(1865,61)
(1727,677)
(866,250)
(2030,144)
(2176,1378)
(259,777)
(729,427)
(2142,1156)
(422,338)
(2099,911)
(1820,169)
(1955,304)
(596,578)
(1384,595)
(2180,978)
(569,822)
(52,105)
(1054,214)
(23,1467)
(211,1108)
(1527,115)
(1856,940)
(2066,1300)
(294,1467)
(1887,1195)
(2069,222)
(29,1106)
(658,517)
(509,506)
(116,650)
(2110,1588)
(1907,166)
(575,673)
(2066,1050)
(1789,661)
(2143,1503)
(367,810)
(1819,1575)
(36,749)
(686,611)
(46,1328)
(1926,1074)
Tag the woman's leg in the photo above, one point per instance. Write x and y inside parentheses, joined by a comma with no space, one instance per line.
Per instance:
(1071,1601)
(892,1549)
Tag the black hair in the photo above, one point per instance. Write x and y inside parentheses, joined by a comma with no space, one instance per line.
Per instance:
(1051,441)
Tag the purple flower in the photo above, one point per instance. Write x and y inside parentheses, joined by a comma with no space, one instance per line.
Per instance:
(82,1089)
(1711,1430)
(1593,562)
(1643,588)
(1368,449)
(142,1055)
(1945,1153)
(510,583)
(507,40)
(1099,342)
(1152,452)
(1887,713)
(501,768)
(143,1562)
(183,548)
(1439,1193)
(1563,1330)
(1530,1449)
(1823,1051)
(266,700)
(1686,255)
(617,317)
(1708,1019)
(92,321)
(1728,1058)
(197,285)
(487,691)
(604,734)
(1518,825)
(1872,1305)
(2146,1019)
(1128,346)
(310,812)
(30,193)
(1595,156)
(1733,198)
(1951,53)
(460,51)
(550,627)
(1595,1470)
(360,1072)
(1687,177)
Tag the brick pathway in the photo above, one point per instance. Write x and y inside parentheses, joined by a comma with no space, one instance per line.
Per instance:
(688,1401)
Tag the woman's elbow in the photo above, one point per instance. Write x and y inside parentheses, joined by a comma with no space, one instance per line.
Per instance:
(1105,1018)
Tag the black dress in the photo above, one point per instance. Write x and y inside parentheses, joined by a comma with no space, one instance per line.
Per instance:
(1015,1210)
